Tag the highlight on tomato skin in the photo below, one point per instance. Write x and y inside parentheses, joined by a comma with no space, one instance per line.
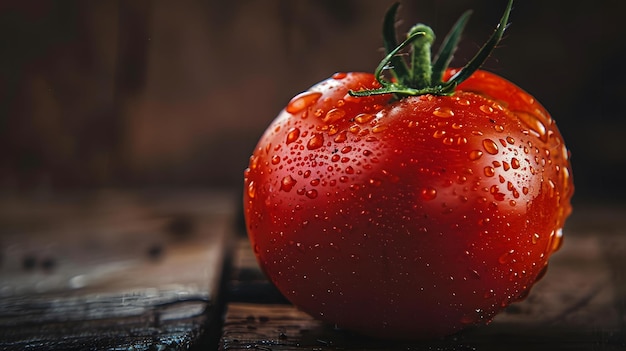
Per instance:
(408,212)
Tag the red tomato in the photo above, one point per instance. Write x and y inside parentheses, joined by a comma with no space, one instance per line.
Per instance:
(408,218)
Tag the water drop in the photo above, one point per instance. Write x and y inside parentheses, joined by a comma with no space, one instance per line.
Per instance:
(428,193)
(275,159)
(506,257)
(302,101)
(287,183)
(363,118)
(515,163)
(334,115)
(341,137)
(315,142)
(379,128)
(490,146)
(349,170)
(535,238)
(475,154)
(251,189)
(311,194)
(439,133)
(346,149)
(486,109)
(534,123)
(339,75)
(314,182)
(292,135)
(443,112)
(489,171)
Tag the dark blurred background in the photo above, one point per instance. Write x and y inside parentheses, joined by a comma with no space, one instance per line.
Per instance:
(175,94)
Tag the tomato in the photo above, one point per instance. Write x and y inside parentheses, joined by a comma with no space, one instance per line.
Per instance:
(411,216)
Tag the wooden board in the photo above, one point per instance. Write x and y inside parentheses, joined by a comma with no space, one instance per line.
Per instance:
(112,270)
(579,305)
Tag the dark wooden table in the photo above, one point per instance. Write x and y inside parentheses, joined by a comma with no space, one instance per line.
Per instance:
(148,270)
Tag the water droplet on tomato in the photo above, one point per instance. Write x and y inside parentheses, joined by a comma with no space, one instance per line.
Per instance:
(475,154)
(333,115)
(443,112)
(534,123)
(439,133)
(490,146)
(251,189)
(379,128)
(489,171)
(302,101)
(339,75)
(486,109)
(428,193)
(292,135)
(463,102)
(341,137)
(315,142)
(275,159)
(311,194)
(363,118)
(287,183)
(506,257)
(515,163)
(335,158)
(535,238)
(315,182)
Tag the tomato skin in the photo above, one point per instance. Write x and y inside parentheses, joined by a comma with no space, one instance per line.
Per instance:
(407,219)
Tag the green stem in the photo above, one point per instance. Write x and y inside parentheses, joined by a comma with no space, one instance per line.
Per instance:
(421,70)
(422,76)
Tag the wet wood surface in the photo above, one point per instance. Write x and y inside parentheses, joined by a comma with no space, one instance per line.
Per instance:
(112,271)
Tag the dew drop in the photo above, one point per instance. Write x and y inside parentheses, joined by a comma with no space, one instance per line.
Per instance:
(292,135)
(443,112)
(534,123)
(349,170)
(315,142)
(334,115)
(535,238)
(486,109)
(341,137)
(490,146)
(439,133)
(379,128)
(475,154)
(506,257)
(251,189)
(311,194)
(302,101)
(346,149)
(287,183)
(339,75)
(275,159)
(363,118)
(515,163)
(463,102)
(489,171)
(428,193)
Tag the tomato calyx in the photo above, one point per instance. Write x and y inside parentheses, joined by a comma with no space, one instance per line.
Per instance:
(422,76)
